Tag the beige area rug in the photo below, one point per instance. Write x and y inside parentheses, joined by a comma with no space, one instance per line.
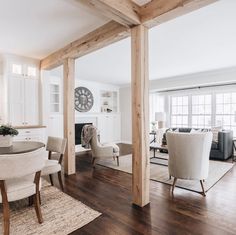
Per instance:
(62,214)
(159,172)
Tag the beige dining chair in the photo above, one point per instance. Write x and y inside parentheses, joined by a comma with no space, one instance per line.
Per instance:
(58,146)
(189,156)
(20,178)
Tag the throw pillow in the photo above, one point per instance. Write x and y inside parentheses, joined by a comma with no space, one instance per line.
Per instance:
(215,131)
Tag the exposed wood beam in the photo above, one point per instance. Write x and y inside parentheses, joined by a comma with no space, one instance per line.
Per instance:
(140,115)
(159,11)
(125,12)
(101,37)
(69,114)
(152,14)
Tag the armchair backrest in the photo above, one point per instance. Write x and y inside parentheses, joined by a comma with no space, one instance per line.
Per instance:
(19,165)
(95,144)
(189,154)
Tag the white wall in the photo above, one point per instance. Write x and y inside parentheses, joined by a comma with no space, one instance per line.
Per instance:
(125,111)
(95,88)
(224,76)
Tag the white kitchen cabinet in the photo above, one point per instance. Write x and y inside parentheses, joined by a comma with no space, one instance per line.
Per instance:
(22,69)
(19,90)
(23,101)
(16,101)
(31,134)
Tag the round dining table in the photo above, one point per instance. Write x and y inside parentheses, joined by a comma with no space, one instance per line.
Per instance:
(21,147)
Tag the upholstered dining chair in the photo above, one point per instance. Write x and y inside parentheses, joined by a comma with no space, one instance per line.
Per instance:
(189,156)
(101,151)
(20,178)
(58,146)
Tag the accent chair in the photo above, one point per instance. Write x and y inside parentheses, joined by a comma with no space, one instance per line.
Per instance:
(189,156)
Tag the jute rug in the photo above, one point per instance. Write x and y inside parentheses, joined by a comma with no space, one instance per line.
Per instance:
(62,214)
(159,172)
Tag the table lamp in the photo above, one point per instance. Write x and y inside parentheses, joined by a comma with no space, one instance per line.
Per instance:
(160,117)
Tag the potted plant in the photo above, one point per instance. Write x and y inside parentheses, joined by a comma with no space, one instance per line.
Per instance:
(6,135)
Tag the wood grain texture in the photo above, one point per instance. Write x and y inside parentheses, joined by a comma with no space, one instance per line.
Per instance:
(69,115)
(101,37)
(125,12)
(109,192)
(140,115)
(160,11)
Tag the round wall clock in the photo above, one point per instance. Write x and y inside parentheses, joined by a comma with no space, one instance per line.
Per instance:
(83,99)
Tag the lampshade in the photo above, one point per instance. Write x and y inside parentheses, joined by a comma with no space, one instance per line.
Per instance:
(160,116)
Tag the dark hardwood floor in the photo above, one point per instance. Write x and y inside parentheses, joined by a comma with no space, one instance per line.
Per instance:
(109,192)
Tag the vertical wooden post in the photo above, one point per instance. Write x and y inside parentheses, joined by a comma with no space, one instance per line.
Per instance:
(69,115)
(140,115)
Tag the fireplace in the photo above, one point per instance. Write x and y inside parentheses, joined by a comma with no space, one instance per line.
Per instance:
(78,130)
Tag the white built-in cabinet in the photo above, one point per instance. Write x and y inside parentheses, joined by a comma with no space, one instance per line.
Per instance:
(23,101)
(20,90)
(31,134)
(109,127)
(55,121)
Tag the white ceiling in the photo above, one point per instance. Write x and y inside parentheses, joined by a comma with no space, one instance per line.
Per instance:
(36,28)
(199,41)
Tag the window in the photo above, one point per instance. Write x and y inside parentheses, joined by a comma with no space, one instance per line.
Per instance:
(179,111)
(201,111)
(17,69)
(226,111)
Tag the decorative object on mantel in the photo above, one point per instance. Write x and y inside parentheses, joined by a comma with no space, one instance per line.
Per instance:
(6,135)
(83,99)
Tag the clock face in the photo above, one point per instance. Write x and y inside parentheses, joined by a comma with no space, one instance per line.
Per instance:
(83,99)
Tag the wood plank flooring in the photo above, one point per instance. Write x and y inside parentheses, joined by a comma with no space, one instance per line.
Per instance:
(109,192)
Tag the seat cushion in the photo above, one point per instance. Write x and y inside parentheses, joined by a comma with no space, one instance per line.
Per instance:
(115,147)
(20,188)
(51,167)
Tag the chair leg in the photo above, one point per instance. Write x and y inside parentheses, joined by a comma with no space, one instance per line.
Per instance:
(118,163)
(203,190)
(93,162)
(6,210)
(37,207)
(60,180)
(51,180)
(174,183)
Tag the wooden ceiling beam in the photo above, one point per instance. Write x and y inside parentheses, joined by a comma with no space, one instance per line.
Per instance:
(125,12)
(151,14)
(160,11)
(101,37)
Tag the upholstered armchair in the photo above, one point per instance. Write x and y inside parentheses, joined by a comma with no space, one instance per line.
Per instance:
(189,156)
(103,150)
(20,178)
